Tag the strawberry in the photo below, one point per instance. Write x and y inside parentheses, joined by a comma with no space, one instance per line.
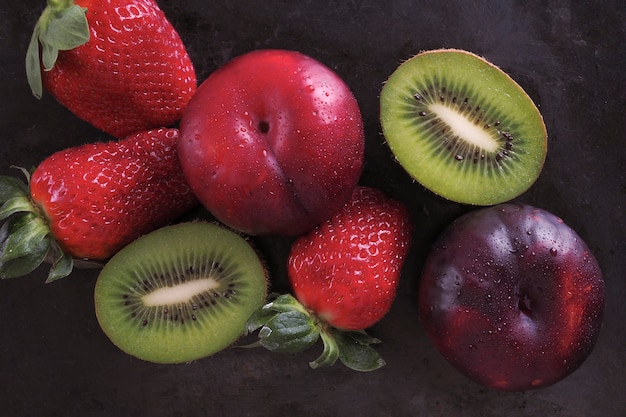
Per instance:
(89,201)
(117,64)
(344,274)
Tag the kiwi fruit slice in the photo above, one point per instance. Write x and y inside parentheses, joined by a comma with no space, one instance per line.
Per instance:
(462,127)
(180,293)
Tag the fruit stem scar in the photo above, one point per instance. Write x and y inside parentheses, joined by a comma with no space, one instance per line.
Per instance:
(264,126)
(179,293)
(464,128)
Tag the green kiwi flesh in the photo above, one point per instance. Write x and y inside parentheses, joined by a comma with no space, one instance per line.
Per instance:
(180,293)
(462,127)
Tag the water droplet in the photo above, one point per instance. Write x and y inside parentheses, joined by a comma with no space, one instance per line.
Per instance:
(553,252)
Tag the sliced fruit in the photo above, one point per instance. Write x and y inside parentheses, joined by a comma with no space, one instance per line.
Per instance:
(180,293)
(462,127)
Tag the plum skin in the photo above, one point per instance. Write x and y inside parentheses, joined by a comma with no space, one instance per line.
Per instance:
(512,297)
(272,143)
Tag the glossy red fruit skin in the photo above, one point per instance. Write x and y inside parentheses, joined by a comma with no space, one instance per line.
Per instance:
(272,143)
(133,74)
(347,269)
(512,297)
(99,197)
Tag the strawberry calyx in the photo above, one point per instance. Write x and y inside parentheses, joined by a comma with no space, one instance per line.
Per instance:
(25,238)
(285,326)
(62,26)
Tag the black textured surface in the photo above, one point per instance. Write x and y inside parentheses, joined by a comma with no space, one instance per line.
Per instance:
(569,56)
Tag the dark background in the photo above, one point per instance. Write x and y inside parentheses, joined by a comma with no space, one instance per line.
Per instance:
(569,56)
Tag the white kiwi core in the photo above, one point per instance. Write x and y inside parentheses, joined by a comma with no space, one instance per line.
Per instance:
(179,293)
(464,128)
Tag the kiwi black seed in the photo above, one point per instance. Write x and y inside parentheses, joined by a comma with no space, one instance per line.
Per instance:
(180,293)
(462,127)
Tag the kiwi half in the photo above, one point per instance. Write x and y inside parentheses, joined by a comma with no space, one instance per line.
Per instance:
(180,293)
(462,127)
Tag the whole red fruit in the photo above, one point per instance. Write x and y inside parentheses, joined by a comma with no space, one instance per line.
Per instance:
(272,142)
(89,201)
(346,270)
(118,64)
(512,297)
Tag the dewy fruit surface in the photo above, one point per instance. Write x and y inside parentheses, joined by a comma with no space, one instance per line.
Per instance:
(512,297)
(272,142)
(89,201)
(124,70)
(344,274)
(347,269)
(99,197)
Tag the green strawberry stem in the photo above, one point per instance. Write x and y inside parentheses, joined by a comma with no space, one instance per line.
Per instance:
(286,326)
(25,238)
(62,26)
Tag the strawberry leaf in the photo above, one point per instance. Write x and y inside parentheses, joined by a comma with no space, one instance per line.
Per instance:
(286,302)
(49,55)
(286,326)
(25,238)
(62,26)
(259,318)
(27,235)
(15,205)
(11,187)
(289,332)
(352,348)
(33,65)
(23,246)
(62,263)
(356,352)
(68,30)
(329,354)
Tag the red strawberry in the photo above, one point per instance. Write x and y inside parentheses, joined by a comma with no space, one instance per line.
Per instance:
(347,269)
(344,275)
(117,64)
(89,201)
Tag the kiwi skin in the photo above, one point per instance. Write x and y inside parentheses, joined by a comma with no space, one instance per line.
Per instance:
(203,282)
(508,143)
